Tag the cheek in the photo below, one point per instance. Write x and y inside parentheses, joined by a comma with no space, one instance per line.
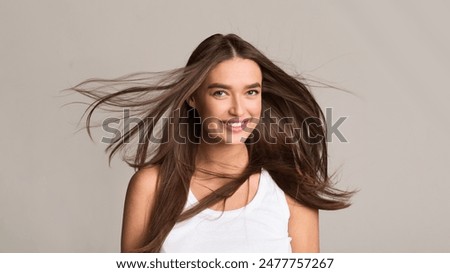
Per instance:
(255,108)
(212,108)
(205,111)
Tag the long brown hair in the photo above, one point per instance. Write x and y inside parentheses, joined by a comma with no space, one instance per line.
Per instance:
(298,166)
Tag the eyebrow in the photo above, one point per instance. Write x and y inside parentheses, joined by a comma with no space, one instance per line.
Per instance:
(224,86)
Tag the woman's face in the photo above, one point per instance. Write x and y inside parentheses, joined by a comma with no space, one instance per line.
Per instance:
(229,101)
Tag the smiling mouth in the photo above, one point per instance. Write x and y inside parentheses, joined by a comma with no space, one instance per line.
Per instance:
(236,123)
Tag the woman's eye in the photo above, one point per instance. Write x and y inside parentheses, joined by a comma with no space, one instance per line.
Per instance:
(253,92)
(219,93)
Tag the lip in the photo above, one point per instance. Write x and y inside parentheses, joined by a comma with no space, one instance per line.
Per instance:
(236,129)
(236,120)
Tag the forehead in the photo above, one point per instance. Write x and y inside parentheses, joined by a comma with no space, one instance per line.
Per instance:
(235,72)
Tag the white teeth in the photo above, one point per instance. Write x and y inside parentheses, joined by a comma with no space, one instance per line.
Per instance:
(238,124)
(235,124)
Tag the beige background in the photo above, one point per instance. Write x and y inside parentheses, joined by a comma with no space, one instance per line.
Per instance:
(57,193)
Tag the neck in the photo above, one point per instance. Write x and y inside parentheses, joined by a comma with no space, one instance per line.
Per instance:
(229,158)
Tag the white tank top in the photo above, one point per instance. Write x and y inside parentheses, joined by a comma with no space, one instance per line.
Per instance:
(260,226)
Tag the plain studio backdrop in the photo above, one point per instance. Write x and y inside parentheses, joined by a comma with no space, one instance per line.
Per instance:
(58,194)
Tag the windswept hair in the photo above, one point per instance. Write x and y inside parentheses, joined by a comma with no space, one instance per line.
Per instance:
(290,112)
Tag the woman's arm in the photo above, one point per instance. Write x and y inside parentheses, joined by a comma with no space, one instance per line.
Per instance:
(138,204)
(303,227)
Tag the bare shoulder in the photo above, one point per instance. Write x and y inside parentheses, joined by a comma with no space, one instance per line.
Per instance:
(144,181)
(303,227)
(296,207)
(137,209)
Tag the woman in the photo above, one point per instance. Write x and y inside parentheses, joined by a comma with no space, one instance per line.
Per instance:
(231,155)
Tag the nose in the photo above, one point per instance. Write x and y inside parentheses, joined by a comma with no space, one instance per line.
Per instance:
(236,107)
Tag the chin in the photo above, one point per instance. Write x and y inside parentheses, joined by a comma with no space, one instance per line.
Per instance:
(235,139)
